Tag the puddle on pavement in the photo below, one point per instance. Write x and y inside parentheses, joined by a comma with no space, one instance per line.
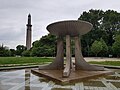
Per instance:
(112,78)
(116,84)
(94,83)
(29,81)
(61,89)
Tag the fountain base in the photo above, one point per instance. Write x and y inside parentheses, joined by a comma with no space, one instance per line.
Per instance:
(75,76)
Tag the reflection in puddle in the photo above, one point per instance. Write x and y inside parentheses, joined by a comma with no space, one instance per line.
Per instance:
(116,84)
(44,80)
(113,77)
(61,89)
(25,80)
(94,83)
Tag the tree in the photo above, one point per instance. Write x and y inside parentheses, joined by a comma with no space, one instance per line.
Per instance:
(105,25)
(13,52)
(96,47)
(104,50)
(35,51)
(4,51)
(94,17)
(36,43)
(111,24)
(46,46)
(110,51)
(99,48)
(20,49)
(116,46)
(26,53)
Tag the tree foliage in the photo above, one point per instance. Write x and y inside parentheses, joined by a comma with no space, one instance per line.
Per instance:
(105,26)
(4,51)
(20,49)
(46,46)
(96,47)
(116,46)
(104,50)
(13,52)
(26,53)
(99,47)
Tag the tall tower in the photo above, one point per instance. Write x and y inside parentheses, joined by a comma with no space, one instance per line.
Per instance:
(29,33)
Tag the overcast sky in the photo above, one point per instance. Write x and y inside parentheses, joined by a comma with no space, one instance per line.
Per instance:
(13,16)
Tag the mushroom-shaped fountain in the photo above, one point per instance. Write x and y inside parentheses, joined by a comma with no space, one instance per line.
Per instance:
(69,72)
(71,28)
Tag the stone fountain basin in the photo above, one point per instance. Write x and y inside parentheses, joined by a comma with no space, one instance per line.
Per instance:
(69,27)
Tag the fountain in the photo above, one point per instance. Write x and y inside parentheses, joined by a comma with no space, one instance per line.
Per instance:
(70,71)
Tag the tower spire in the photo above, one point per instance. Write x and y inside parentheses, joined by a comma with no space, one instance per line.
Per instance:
(29,19)
(29,33)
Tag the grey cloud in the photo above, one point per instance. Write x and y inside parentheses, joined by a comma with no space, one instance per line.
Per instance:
(13,16)
(11,34)
(15,4)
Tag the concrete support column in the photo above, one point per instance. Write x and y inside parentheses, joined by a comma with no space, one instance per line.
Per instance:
(80,63)
(66,71)
(58,63)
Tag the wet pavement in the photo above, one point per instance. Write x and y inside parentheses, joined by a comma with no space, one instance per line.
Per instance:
(24,80)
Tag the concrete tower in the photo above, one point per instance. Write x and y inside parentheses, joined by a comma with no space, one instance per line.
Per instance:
(29,33)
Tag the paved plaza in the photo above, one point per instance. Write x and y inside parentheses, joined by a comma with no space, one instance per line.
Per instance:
(24,80)
(100,59)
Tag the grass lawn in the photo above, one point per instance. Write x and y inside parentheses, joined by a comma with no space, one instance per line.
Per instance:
(18,61)
(113,63)
(24,61)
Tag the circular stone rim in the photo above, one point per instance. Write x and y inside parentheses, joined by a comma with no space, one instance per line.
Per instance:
(56,29)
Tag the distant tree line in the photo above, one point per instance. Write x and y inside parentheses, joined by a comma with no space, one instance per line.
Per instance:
(44,47)
(103,40)
(5,51)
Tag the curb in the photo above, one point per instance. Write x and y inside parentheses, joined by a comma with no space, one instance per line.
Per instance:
(36,66)
(18,67)
(108,66)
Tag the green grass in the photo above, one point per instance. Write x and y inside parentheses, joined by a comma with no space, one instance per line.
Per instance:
(24,61)
(113,63)
(9,61)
